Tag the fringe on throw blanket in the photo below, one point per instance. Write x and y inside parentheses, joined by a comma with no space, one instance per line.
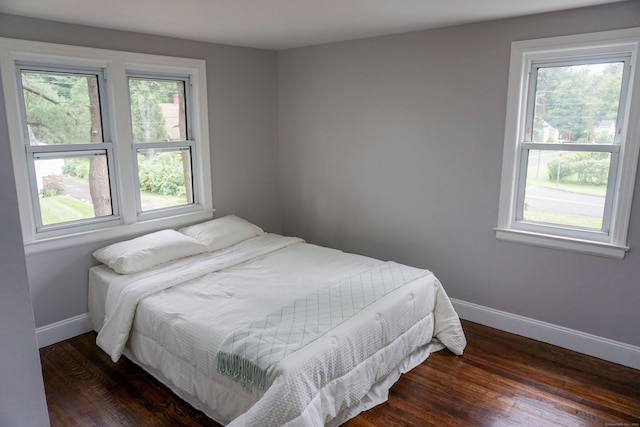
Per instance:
(242,370)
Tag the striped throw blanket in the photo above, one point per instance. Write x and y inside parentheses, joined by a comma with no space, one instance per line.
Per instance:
(250,354)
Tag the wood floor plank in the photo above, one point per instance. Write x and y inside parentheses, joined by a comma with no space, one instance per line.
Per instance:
(501,380)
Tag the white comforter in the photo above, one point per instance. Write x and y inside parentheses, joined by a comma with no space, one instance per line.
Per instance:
(176,316)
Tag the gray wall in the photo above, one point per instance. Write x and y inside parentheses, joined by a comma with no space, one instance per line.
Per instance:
(22,399)
(242,93)
(392,147)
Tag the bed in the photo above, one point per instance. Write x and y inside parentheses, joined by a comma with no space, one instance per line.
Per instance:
(259,329)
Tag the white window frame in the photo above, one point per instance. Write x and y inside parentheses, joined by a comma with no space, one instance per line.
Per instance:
(189,144)
(116,65)
(611,242)
(34,152)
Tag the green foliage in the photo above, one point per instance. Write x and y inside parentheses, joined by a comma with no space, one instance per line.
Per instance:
(57,107)
(582,168)
(162,173)
(146,115)
(59,209)
(52,186)
(76,167)
(576,99)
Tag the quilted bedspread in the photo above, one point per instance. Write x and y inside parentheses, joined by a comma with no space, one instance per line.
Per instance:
(174,319)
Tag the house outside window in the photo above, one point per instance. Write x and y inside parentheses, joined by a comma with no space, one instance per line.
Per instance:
(570,153)
(104,143)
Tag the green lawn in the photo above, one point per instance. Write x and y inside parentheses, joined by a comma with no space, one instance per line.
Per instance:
(57,209)
(541,179)
(159,200)
(581,221)
(539,176)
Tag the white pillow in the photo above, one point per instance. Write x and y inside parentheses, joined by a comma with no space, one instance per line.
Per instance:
(144,252)
(222,232)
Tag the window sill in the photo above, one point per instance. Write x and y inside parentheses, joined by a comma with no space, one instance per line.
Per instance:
(563,243)
(111,233)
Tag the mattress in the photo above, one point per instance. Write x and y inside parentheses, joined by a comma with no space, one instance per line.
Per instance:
(175,330)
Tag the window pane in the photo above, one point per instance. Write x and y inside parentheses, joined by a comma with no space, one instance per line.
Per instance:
(165,178)
(567,188)
(577,103)
(157,110)
(61,108)
(73,188)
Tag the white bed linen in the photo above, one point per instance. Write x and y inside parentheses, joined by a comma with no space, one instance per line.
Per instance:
(178,329)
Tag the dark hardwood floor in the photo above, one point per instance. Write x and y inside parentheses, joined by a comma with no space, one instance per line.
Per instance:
(502,380)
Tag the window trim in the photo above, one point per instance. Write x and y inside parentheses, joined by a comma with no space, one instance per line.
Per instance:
(522,54)
(116,65)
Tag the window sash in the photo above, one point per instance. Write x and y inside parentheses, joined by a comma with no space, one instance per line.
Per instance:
(559,229)
(21,66)
(186,80)
(57,152)
(160,147)
(573,60)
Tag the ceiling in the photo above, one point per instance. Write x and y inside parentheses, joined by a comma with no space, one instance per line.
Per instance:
(280,24)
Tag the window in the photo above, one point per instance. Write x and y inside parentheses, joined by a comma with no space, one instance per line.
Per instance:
(104,143)
(161,141)
(570,153)
(67,154)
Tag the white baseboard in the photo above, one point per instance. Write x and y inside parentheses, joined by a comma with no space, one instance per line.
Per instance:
(63,330)
(581,342)
(592,345)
